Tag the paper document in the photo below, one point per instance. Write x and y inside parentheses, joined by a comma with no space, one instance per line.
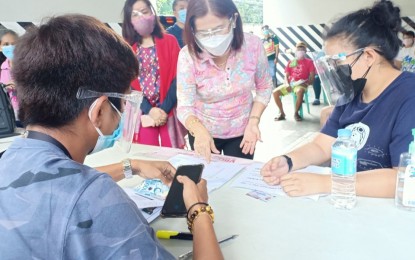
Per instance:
(215,173)
(150,208)
(251,179)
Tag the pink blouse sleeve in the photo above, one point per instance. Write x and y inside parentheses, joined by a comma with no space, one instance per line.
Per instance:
(186,86)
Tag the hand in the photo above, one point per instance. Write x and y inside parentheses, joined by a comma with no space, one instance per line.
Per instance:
(193,193)
(301,184)
(162,170)
(251,136)
(10,86)
(204,144)
(158,115)
(274,169)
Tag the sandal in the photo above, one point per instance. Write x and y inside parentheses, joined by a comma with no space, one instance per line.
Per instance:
(280,117)
(297,117)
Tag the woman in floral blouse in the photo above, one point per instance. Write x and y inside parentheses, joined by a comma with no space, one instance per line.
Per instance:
(217,72)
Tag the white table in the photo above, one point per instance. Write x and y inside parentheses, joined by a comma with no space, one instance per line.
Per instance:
(291,228)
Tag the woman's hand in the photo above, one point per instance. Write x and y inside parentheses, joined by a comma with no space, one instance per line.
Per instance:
(162,170)
(193,193)
(301,184)
(158,115)
(251,136)
(274,169)
(204,144)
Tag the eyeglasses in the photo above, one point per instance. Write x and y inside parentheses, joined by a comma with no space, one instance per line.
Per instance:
(219,31)
(138,14)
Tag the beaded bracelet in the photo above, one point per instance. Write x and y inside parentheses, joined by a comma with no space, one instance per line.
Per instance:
(203,210)
(197,203)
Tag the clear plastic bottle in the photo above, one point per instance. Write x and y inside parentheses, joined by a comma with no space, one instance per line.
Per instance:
(405,183)
(343,170)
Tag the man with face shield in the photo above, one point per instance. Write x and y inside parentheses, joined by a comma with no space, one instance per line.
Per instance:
(371,97)
(74,93)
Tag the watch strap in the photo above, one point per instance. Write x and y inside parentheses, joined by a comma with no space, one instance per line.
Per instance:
(289,162)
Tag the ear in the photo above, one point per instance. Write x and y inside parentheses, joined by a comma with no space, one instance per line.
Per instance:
(97,111)
(370,56)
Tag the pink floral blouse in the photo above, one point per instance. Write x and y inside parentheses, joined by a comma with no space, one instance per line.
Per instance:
(222,99)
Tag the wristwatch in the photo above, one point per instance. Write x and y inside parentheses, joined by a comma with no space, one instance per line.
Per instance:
(128,172)
(289,162)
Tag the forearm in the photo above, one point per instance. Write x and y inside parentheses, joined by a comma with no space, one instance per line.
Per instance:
(316,152)
(257,110)
(380,183)
(205,244)
(194,125)
(116,170)
(171,99)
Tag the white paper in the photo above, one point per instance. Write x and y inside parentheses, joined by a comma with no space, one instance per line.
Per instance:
(251,179)
(152,216)
(216,173)
(143,202)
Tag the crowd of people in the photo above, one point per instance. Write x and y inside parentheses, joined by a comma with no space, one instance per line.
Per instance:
(197,80)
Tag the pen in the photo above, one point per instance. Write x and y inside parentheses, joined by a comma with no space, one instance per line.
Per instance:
(188,254)
(168,234)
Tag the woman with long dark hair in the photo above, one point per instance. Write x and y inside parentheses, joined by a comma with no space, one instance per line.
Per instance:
(157,54)
(380,113)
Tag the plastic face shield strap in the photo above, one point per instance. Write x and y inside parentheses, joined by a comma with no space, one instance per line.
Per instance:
(130,108)
(335,78)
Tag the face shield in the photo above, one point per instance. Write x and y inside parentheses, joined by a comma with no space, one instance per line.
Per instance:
(335,77)
(129,107)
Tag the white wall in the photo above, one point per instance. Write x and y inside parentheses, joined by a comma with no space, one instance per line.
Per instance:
(276,12)
(35,10)
(280,13)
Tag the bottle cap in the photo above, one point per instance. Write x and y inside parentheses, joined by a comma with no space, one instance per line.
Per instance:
(344,133)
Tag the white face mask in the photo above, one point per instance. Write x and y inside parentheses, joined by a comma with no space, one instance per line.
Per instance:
(408,42)
(300,54)
(216,45)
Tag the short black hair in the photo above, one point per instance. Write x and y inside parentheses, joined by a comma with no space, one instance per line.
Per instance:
(409,33)
(377,26)
(128,32)
(52,61)
(175,2)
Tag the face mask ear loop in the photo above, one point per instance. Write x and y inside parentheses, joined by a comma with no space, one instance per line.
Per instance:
(367,71)
(355,60)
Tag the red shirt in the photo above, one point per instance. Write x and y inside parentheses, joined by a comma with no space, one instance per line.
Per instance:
(301,71)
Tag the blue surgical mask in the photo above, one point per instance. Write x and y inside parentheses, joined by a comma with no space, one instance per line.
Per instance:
(107,141)
(8,51)
(182,15)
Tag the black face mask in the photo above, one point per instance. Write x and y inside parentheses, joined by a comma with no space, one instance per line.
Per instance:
(345,74)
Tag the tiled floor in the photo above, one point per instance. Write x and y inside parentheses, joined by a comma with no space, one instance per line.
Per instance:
(281,136)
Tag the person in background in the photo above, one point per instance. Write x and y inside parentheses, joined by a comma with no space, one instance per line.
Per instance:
(317,90)
(405,61)
(380,116)
(271,45)
(157,54)
(8,39)
(217,71)
(299,74)
(179,11)
(53,206)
